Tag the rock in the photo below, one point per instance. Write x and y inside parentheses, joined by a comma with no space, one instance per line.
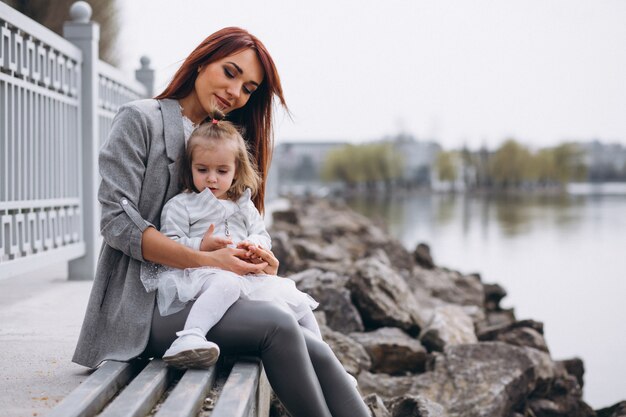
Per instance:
(289,216)
(352,355)
(494,293)
(392,351)
(449,286)
(564,399)
(385,385)
(617,410)
(449,326)
(286,254)
(399,257)
(382,297)
(416,406)
(376,405)
(520,333)
(500,317)
(486,379)
(576,368)
(423,257)
(328,289)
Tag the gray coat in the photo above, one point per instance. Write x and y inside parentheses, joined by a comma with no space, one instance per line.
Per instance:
(139,175)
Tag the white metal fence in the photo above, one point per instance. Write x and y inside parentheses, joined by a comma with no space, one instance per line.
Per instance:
(57,100)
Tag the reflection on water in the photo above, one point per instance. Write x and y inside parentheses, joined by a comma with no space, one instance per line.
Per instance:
(559,257)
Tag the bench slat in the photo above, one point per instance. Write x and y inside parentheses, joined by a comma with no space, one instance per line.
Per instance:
(186,399)
(94,392)
(138,398)
(240,391)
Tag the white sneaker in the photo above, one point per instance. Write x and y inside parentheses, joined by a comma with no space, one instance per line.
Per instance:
(191,350)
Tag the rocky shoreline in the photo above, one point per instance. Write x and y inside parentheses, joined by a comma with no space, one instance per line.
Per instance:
(422,340)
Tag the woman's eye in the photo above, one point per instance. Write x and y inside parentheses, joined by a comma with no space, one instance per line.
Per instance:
(228,72)
(223,171)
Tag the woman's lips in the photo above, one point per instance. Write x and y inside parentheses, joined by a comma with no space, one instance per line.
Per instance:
(224,104)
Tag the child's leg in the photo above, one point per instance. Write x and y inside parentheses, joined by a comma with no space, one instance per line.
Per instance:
(308,321)
(217,295)
(191,349)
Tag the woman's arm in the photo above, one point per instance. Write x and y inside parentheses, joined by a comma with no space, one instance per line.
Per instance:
(158,248)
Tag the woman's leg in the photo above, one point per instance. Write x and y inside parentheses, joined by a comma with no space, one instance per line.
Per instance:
(260,328)
(341,395)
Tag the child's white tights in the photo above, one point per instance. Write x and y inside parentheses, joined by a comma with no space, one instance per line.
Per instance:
(217,295)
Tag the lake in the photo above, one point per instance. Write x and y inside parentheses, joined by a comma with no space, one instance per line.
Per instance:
(557,256)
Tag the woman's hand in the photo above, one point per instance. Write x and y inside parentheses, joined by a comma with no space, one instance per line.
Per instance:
(232,259)
(259,256)
(211,243)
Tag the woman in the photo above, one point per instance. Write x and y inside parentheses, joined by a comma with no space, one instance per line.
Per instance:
(232,70)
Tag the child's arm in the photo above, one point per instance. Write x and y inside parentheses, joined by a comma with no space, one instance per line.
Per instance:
(175,224)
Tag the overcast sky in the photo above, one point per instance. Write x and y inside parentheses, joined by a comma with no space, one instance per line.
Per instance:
(457,71)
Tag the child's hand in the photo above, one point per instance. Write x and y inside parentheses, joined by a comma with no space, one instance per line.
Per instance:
(249,248)
(210,243)
(259,255)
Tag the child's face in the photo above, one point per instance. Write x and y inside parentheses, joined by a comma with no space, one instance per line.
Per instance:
(213,168)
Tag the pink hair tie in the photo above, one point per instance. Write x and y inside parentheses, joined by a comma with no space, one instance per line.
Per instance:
(215,121)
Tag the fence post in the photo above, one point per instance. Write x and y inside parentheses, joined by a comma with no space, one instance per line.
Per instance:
(85,35)
(145,75)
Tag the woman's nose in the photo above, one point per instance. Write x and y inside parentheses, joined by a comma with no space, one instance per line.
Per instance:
(234,90)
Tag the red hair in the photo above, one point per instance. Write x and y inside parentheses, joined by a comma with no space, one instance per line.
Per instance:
(255,118)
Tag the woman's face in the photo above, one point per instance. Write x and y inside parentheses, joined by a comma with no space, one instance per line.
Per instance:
(228,83)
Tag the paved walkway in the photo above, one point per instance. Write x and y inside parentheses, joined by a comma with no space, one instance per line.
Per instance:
(40,318)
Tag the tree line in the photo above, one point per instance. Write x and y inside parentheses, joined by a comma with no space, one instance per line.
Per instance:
(511,166)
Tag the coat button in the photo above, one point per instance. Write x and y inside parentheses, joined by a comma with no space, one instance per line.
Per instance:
(124,201)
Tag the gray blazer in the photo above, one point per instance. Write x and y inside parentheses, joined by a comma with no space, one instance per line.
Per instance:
(139,175)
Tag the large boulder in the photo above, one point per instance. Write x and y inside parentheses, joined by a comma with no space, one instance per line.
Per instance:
(352,355)
(416,406)
(385,385)
(382,297)
(527,333)
(616,410)
(449,326)
(392,351)
(376,405)
(449,286)
(563,399)
(328,289)
(487,379)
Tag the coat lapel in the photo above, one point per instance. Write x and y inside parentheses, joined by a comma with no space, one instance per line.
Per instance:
(172,129)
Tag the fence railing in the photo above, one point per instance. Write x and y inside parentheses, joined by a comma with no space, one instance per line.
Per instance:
(57,101)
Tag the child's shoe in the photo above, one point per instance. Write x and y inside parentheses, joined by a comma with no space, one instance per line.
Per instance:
(191,350)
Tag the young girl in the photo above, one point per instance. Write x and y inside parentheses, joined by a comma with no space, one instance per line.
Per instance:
(215,210)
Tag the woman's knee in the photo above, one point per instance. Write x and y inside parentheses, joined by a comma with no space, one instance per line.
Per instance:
(279,321)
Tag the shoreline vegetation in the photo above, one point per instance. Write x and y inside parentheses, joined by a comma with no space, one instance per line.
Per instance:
(422,339)
(513,166)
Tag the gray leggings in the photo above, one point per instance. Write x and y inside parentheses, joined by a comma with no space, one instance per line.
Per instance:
(303,371)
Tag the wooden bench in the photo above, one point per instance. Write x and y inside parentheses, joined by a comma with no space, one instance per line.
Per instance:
(152,388)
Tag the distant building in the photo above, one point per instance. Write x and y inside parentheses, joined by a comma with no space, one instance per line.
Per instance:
(418,157)
(296,166)
(605,162)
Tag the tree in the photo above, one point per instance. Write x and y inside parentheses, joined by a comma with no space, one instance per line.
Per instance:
(53,14)
(511,164)
(446,171)
(363,164)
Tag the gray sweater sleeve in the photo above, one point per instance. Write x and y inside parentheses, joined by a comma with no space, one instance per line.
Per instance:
(122,164)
